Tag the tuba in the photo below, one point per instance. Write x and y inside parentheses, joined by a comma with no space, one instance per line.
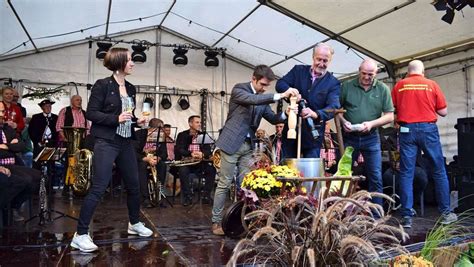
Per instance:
(75,138)
(82,171)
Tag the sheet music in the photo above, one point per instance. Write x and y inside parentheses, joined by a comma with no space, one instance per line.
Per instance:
(207,139)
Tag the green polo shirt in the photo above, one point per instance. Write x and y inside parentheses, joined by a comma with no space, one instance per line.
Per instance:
(361,105)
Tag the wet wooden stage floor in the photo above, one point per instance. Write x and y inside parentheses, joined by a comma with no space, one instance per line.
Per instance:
(182,237)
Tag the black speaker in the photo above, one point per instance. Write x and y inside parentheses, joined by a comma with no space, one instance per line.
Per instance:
(465,187)
(465,127)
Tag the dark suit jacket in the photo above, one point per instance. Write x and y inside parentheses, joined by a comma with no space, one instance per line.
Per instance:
(37,126)
(321,95)
(105,106)
(183,141)
(140,142)
(246,110)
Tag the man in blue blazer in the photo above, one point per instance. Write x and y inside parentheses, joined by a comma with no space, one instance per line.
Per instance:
(247,106)
(320,89)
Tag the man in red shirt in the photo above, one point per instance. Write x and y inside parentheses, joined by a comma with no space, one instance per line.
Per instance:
(418,101)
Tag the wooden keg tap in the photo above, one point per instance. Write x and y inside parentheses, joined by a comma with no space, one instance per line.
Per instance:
(292,118)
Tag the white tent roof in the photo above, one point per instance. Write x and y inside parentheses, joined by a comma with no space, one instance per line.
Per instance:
(279,33)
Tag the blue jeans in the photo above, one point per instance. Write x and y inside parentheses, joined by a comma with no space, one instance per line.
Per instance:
(27,159)
(106,152)
(369,146)
(422,136)
(226,175)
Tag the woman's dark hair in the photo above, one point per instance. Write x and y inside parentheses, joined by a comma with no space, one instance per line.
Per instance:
(116,58)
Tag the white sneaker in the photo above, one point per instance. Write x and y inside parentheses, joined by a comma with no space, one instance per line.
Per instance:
(83,243)
(139,229)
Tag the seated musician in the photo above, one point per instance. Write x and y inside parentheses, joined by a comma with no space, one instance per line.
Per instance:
(9,146)
(148,155)
(187,147)
(71,116)
(42,128)
(170,144)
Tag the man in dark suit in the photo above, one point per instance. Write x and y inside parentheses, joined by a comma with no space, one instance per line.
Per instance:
(42,128)
(188,147)
(320,89)
(248,105)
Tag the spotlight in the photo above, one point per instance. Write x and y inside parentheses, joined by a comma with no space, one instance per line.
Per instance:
(166,101)
(138,55)
(149,100)
(449,16)
(180,59)
(102,50)
(211,58)
(183,102)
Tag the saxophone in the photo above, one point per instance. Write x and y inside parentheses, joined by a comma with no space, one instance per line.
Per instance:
(154,185)
(82,171)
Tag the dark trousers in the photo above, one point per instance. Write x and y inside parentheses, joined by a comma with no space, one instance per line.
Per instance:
(144,172)
(204,168)
(106,152)
(14,189)
(32,176)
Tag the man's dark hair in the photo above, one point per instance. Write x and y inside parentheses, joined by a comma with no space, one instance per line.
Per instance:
(155,123)
(263,71)
(191,118)
(167,126)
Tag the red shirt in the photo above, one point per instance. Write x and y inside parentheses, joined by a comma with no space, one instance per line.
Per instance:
(13,113)
(416,99)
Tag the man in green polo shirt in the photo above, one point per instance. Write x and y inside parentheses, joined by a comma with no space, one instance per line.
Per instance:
(368,105)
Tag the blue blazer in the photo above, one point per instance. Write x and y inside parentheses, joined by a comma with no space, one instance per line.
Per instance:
(321,95)
(246,110)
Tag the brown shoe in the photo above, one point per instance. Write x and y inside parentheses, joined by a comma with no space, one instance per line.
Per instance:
(217,229)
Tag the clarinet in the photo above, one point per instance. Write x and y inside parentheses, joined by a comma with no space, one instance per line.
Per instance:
(43,198)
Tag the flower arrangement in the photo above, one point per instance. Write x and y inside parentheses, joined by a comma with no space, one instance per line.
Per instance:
(410,260)
(262,182)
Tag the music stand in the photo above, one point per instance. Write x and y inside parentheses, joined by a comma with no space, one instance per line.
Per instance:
(44,214)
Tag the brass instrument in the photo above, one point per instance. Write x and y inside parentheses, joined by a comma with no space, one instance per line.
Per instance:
(82,172)
(153,183)
(216,158)
(74,139)
(79,170)
(187,162)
